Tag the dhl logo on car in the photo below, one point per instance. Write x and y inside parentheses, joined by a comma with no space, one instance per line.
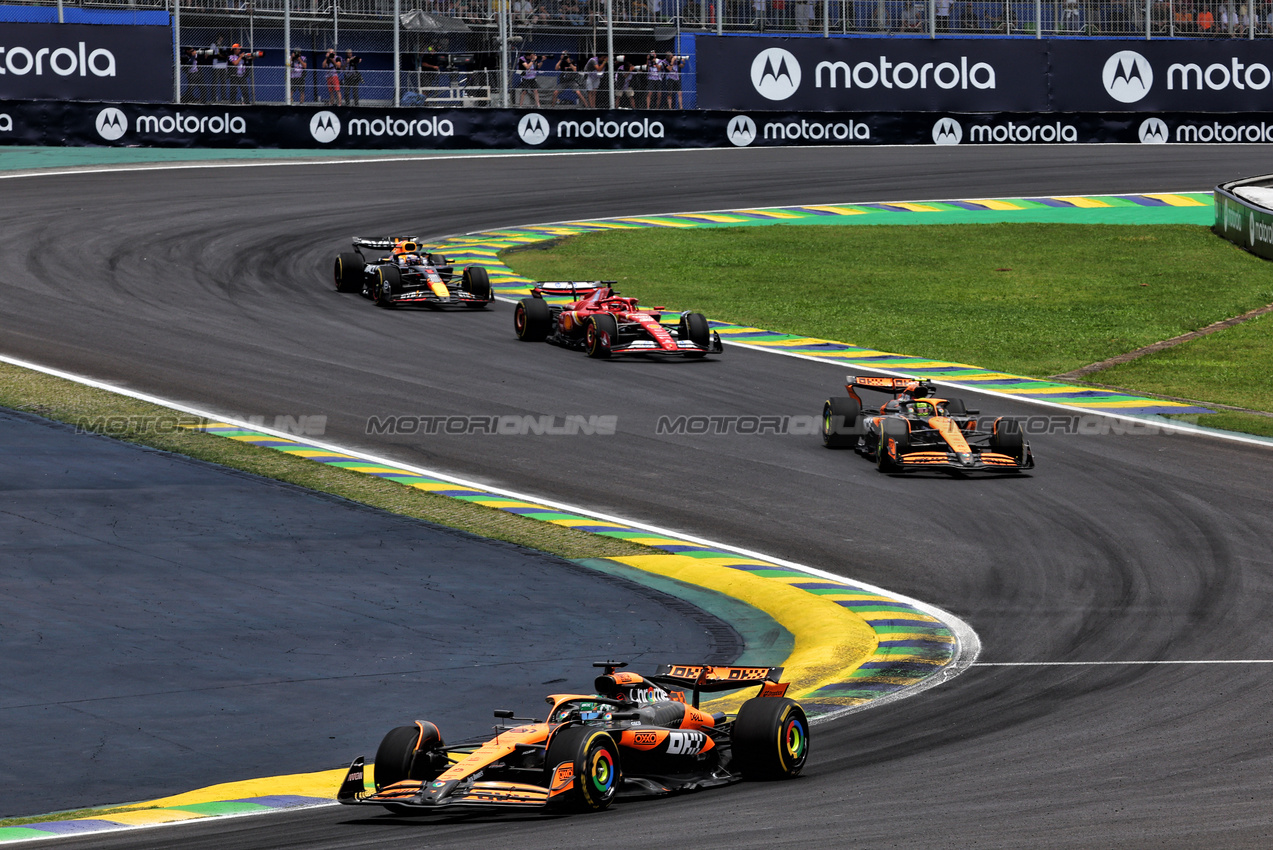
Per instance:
(686,743)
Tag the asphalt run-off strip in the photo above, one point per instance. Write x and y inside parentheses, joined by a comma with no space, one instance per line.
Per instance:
(853,645)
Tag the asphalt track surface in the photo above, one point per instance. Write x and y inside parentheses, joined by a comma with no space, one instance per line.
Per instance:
(156,608)
(210,287)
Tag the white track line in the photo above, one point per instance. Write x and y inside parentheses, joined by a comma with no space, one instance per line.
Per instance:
(969,645)
(1117,663)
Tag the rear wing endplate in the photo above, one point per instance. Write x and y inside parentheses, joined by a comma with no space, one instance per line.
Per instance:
(573,289)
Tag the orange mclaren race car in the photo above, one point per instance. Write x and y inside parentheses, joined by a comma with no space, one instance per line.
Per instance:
(601,322)
(636,736)
(401,273)
(915,429)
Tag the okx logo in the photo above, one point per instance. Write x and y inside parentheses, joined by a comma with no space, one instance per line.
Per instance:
(533,129)
(1153,131)
(948,131)
(324,127)
(741,131)
(775,73)
(1127,76)
(111,124)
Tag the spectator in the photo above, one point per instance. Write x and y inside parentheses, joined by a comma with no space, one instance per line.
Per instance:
(353,78)
(194,78)
(220,71)
(1206,22)
(529,67)
(623,74)
(331,73)
(653,80)
(1184,18)
(567,79)
(913,18)
(592,69)
(941,15)
(672,81)
(429,72)
(238,70)
(522,11)
(298,66)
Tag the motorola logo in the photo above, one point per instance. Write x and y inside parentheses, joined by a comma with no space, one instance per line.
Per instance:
(948,131)
(324,127)
(533,129)
(775,73)
(111,124)
(741,131)
(1127,76)
(1153,131)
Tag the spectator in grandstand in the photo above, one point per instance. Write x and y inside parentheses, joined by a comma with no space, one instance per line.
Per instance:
(1183,18)
(913,18)
(298,65)
(195,87)
(941,15)
(352,79)
(220,70)
(1206,22)
(522,11)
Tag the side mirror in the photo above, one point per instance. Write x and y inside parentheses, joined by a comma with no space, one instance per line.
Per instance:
(503,713)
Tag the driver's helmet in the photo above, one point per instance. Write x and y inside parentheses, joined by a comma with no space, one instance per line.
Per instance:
(578,711)
(923,408)
(616,307)
(412,260)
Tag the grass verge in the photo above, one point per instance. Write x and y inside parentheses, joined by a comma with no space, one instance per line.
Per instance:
(67,401)
(1030,299)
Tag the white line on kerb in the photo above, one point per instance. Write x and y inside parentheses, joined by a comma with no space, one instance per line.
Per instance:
(1118,663)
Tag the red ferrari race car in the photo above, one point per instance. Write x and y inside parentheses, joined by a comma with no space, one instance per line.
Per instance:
(401,273)
(601,322)
(635,737)
(915,429)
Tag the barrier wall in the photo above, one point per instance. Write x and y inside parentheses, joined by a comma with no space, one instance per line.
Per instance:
(134,124)
(1244,214)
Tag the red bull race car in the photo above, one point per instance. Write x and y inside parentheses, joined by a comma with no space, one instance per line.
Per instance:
(596,319)
(636,736)
(401,273)
(916,429)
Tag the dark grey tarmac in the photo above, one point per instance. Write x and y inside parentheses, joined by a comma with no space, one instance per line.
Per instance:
(1118,548)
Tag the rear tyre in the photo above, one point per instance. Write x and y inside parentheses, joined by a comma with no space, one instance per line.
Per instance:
(532,320)
(477,283)
(388,285)
(440,265)
(595,759)
(955,407)
(600,334)
(839,422)
(900,433)
(770,738)
(1006,438)
(404,754)
(348,272)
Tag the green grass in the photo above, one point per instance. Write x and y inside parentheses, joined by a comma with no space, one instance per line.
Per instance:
(66,401)
(1033,299)
(1030,299)
(72,814)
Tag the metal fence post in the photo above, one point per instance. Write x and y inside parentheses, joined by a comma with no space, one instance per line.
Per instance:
(1149,24)
(610,48)
(176,46)
(287,52)
(1038,19)
(397,55)
(932,18)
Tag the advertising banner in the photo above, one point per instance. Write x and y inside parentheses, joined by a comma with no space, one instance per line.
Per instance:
(1244,222)
(317,127)
(757,73)
(85,62)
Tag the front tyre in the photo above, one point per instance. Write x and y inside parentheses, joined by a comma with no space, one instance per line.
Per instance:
(406,753)
(348,272)
(600,334)
(694,327)
(477,283)
(594,757)
(388,285)
(897,433)
(770,738)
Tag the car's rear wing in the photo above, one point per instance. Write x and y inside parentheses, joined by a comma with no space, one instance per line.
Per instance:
(383,243)
(713,678)
(572,289)
(895,386)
